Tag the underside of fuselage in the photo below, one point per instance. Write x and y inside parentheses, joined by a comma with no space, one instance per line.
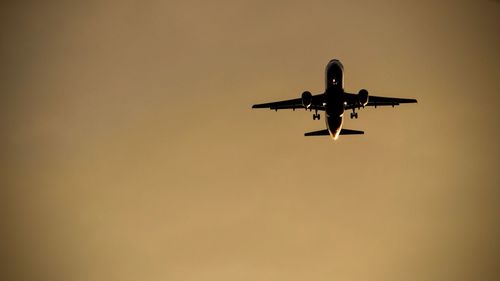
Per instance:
(334,91)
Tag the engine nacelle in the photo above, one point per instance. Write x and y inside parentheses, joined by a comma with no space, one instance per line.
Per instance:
(363,97)
(306,99)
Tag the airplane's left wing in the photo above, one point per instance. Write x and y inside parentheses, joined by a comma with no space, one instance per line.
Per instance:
(316,104)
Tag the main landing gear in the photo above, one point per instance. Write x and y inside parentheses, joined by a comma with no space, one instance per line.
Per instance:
(316,116)
(354,114)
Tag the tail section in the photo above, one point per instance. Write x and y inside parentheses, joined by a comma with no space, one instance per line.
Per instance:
(327,133)
(317,133)
(351,132)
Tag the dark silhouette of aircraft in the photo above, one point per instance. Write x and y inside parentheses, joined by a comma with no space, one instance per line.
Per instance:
(334,101)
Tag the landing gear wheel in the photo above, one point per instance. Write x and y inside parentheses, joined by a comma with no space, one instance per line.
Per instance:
(316,116)
(354,115)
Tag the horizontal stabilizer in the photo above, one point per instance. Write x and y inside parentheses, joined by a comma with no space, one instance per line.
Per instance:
(350,132)
(318,133)
(327,133)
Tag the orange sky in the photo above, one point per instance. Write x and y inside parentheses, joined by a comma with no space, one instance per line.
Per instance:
(129,150)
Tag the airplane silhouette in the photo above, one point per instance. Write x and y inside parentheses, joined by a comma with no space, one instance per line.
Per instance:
(334,101)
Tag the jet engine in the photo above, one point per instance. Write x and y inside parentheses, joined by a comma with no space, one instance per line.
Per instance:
(363,97)
(306,99)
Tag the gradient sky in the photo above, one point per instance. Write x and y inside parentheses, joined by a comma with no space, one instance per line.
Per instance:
(129,150)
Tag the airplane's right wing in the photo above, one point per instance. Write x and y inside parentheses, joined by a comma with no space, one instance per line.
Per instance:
(381,101)
(352,101)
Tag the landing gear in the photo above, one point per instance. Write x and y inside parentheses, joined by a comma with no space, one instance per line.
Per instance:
(316,115)
(354,114)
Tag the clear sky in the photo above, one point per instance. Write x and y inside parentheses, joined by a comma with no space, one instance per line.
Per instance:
(129,151)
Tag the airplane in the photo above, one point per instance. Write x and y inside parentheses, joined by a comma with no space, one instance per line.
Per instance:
(334,101)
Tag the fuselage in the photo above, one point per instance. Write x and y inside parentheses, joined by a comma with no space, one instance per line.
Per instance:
(334,92)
